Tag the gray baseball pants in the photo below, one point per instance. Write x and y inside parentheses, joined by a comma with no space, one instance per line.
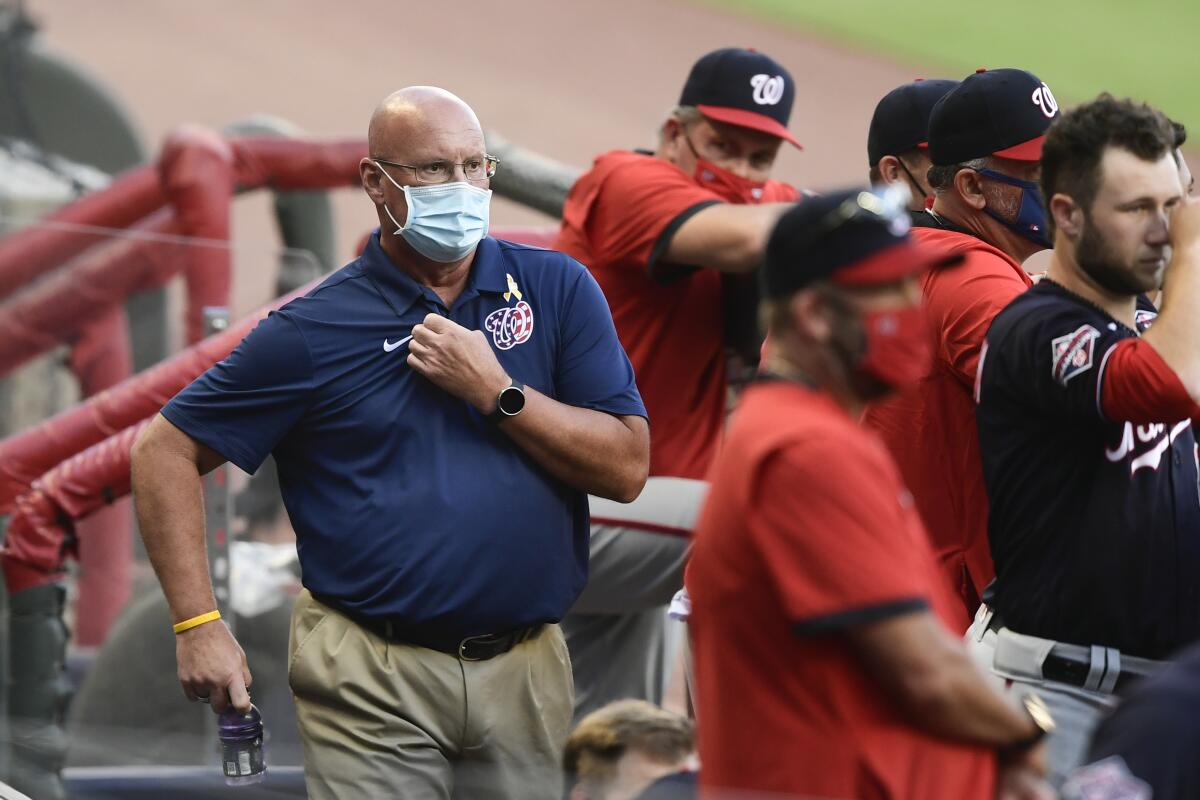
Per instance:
(621,642)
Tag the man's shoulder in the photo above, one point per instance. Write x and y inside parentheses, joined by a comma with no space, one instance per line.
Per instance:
(1043,321)
(975,251)
(540,265)
(778,416)
(1045,307)
(620,169)
(341,284)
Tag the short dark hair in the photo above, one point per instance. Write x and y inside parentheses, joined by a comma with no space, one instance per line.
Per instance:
(1180,133)
(874,175)
(1077,140)
(941,178)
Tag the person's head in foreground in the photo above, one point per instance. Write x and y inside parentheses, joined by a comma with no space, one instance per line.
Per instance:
(985,139)
(731,119)
(898,137)
(1110,174)
(616,752)
(840,294)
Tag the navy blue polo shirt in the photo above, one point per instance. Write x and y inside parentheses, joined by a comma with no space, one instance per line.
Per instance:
(407,504)
(1094,524)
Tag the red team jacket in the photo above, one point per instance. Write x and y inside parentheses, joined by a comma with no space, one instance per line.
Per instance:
(618,219)
(931,430)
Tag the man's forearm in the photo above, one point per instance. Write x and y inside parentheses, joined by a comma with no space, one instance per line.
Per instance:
(588,450)
(168,500)
(725,237)
(929,674)
(972,710)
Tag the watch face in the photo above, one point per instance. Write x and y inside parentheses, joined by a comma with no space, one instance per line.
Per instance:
(1037,709)
(511,401)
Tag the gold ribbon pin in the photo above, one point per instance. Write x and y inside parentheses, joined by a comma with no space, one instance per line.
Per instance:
(512,288)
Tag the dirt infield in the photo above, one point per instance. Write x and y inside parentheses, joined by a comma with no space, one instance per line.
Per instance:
(567,79)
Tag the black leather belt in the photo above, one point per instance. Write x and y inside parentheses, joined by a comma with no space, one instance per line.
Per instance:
(472,648)
(1072,664)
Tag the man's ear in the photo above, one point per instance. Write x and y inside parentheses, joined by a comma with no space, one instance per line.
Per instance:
(372,180)
(670,136)
(1068,216)
(969,186)
(889,169)
(811,317)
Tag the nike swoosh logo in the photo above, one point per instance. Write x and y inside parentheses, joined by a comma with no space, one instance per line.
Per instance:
(390,346)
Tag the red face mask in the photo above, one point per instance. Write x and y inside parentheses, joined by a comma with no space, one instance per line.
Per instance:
(899,352)
(727,185)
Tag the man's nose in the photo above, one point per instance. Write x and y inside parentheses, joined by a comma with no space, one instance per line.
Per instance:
(1159,232)
(739,167)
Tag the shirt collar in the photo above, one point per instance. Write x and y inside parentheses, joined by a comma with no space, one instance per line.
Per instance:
(401,291)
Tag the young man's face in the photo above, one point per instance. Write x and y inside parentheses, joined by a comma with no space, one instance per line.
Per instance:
(1125,244)
(743,151)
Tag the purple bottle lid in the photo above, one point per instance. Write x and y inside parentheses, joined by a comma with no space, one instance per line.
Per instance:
(232,726)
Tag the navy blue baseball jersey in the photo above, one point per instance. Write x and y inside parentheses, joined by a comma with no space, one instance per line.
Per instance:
(1094,523)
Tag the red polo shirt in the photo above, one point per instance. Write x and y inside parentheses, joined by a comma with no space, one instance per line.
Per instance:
(931,429)
(808,531)
(618,220)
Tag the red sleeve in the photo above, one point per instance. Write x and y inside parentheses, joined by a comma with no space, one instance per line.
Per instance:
(779,192)
(635,204)
(1137,386)
(834,537)
(961,302)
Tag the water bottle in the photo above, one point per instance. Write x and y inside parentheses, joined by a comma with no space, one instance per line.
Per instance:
(241,746)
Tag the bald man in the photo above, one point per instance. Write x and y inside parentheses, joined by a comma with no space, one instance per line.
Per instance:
(439,409)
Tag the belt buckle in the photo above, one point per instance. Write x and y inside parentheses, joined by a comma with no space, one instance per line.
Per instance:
(462,646)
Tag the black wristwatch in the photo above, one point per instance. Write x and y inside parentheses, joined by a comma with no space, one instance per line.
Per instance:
(509,402)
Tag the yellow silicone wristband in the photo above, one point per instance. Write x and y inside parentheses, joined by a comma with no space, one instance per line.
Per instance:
(188,624)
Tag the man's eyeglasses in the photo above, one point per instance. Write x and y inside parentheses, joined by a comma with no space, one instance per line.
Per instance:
(475,169)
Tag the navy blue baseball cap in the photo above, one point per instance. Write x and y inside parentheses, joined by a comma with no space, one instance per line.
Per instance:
(901,119)
(997,112)
(852,237)
(744,88)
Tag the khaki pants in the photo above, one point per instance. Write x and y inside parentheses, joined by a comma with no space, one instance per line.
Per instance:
(384,720)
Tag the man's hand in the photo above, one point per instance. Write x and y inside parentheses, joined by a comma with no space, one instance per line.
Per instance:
(1022,776)
(458,361)
(212,665)
(1185,225)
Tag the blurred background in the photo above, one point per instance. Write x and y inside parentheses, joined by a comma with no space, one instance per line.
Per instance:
(97,290)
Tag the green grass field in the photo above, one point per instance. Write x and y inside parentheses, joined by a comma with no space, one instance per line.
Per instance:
(1147,50)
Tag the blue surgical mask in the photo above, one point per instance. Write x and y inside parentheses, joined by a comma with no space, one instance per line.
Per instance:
(1032,218)
(445,221)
